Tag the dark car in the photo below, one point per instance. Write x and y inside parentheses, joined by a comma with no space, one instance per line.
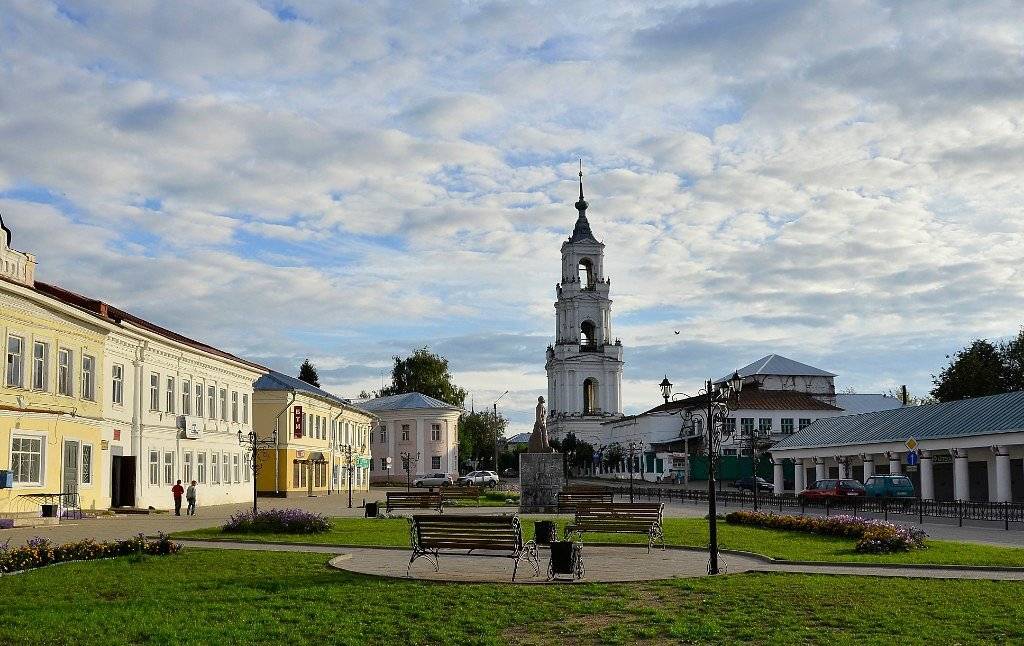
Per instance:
(832,489)
(747,483)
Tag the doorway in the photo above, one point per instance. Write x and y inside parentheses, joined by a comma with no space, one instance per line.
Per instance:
(70,479)
(122,481)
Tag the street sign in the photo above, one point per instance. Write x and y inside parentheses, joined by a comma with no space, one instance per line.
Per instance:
(911,443)
(363,462)
(911,468)
(913,459)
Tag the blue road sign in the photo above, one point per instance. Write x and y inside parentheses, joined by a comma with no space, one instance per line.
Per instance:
(912,459)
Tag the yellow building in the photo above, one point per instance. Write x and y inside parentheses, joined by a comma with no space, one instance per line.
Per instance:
(51,411)
(322,439)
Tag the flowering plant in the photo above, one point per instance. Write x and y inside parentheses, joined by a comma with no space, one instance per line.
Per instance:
(39,551)
(873,536)
(287,521)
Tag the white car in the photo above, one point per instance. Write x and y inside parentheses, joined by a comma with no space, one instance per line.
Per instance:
(433,480)
(479,478)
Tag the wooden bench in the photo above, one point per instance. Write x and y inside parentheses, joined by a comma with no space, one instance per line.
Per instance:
(568,501)
(620,518)
(476,535)
(413,500)
(578,488)
(460,493)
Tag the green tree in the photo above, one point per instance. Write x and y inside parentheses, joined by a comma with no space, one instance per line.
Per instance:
(613,455)
(974,371)
(477,433)
(307,373)
(1013,362)
(427,373)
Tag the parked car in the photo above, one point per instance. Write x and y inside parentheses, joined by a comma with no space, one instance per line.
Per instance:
(833,489)
(510,473)
(747,483)
(433,480)
(478,478)
(889,486)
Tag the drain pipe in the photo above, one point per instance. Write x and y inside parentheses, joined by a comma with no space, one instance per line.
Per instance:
(277,447)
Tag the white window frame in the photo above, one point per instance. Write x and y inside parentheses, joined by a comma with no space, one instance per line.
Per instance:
(187,461)
(154,391)
(65,372)
(201,467)
(171,393)
(234,406)
(86,464)
(236,469)
(245,408)
(15,365)
(223,404)
(168,467)
(88,377)
(40,481)
(117,384)
(186,396)
(199,399)
(211,401)
(41,366)
(154,467)
(225,467)
(247,467)
(214,467)
(435,459)
(435,435)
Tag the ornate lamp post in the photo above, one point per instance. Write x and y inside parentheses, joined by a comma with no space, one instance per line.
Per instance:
(254,443)
(666,388)
(632,448)
(408,461)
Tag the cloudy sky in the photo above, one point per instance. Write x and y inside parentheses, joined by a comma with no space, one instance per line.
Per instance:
(836,182)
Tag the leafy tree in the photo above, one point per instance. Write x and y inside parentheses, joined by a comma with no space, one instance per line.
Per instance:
(365,394)
(427,373)
(307,373)
(912,399)
(1013,362)
(477,434)
(974,371)
(613,455)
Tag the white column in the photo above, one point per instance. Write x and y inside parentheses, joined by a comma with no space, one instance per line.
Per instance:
(927,477)
(869,466)
(798,475)
(819,469)
(961,482)
(778,475)
(895,463)
(396,463)
(1002,474)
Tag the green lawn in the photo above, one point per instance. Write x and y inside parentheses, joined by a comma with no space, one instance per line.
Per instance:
(691,532)
(229,597)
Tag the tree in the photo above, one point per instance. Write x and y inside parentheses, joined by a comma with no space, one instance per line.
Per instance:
(365,394)
(612,456)
(477,433)
(912,399)
(974,371)
(1013,362)
(427,373)
(307,373)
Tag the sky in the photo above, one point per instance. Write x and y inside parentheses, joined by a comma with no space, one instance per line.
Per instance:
(837,182)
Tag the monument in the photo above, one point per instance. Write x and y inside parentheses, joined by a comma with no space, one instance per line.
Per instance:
(541,475)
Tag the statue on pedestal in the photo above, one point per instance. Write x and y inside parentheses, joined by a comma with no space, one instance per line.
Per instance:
(539,437)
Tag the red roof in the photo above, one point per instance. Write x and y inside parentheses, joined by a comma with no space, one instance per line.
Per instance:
(756,399)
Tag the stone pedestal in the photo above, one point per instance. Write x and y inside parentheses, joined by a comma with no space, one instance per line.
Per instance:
(541,479)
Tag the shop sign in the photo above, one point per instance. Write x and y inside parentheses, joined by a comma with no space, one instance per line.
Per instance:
(363,463)
(298,422)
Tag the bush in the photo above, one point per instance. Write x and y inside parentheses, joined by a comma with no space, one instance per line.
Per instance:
(284,521)
(40,551)
(873,536)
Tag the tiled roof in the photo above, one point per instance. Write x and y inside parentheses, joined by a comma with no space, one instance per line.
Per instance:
(776,364)
(280,381)
(519,438)
(856,403)
(967,417)
(756,399)
(404,401)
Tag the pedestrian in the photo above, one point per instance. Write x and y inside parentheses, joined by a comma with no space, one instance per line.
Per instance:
(190,496)
(176,491)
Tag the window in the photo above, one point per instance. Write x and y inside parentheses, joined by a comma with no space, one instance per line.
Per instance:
(405,432)
(590,404)
(296,468)
(40,366)
(65,385)
(199,400)
(186,400)
(187,465)
(201,467)
(27,460)
(234,406)
(211,405)
(747,425)
(245,408)
(764,425)
(168,467)
(235,460)
(154,391)
(804,423)
(383,464)
(15,361)
(226,469)
(117,384)
(88,377)
(787,425)
(435,462)
(224,404)
(383,435)
(247,466)
(214,468)
(728,451)
(435,434)
(171,394)
(154,467)
(730,425)
(87,464)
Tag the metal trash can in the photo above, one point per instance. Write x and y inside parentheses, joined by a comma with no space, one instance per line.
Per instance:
(49,511)
(371,510)
(544,532)
(566,560)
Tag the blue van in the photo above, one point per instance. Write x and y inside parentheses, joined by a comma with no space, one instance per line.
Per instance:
(889,486)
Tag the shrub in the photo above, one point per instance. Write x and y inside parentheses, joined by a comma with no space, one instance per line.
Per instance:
(873,536)
(38,552)
(285,521)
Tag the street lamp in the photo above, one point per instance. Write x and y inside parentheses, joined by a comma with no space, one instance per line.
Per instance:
(632,447)
(495,405)
(408,460)
(253,443)
(666,388)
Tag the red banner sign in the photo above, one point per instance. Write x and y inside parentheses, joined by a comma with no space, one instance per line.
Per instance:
(298,422)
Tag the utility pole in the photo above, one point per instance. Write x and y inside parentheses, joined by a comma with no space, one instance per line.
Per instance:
(496,431)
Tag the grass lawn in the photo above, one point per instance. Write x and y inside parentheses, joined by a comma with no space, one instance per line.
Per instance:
(691,532)
(213,596)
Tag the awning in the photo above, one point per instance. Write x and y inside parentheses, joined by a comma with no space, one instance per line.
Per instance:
(316,456)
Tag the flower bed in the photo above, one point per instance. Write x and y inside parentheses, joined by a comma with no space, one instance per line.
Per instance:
(285,521)
(40,551)
(873,536)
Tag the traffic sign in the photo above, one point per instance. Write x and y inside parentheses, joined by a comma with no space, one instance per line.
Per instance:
(912,459)
(911,443)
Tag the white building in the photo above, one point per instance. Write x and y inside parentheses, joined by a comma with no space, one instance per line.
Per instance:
(412,424)
(584,366)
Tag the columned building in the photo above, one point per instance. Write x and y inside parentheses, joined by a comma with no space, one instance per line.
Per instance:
(416,425)
(584,366)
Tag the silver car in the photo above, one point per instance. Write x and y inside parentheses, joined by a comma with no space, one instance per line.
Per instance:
(479,478)
(433,480)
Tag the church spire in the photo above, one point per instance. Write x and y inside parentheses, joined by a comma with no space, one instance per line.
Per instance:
(582,205)
(581,232)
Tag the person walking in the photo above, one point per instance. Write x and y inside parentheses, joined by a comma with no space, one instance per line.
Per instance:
(190,496)
(177,490)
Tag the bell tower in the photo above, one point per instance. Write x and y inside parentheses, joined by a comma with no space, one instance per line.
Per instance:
(584,366)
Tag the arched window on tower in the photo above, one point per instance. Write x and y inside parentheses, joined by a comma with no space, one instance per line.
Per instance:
(588,338)
(590,403)
(586,270)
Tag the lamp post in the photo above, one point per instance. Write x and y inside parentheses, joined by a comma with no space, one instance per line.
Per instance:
(495,408)
(253,443)
(632,447)
(666,388)
(346,452)
(408,460)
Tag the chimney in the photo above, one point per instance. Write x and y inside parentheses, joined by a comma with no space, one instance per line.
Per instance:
(903,395)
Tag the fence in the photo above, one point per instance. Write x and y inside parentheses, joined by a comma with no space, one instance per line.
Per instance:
(1005,512)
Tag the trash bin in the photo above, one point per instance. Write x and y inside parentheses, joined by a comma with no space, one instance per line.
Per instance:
(49,511)
(371,510)
(544,532)
(566,559)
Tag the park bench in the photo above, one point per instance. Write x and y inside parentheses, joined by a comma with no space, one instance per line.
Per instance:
(460,493)
(473,535)
(568,501)
(620,518)
(580,488)
(414,500)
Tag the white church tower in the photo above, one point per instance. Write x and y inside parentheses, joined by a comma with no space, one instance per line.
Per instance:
(584,365)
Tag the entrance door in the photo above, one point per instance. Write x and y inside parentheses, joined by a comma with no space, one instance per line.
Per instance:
(70,480)
(977,474)
(122,481)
